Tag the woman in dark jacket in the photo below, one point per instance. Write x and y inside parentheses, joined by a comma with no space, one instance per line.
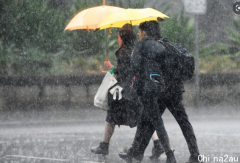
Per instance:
(121,112)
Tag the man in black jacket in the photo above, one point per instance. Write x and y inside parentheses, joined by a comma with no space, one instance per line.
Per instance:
(172,100)
(146,63)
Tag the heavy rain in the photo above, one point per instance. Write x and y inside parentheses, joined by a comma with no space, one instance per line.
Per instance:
(52,71)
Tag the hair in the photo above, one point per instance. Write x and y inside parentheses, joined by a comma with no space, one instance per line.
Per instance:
(127,26)
(128,36)
(152,28)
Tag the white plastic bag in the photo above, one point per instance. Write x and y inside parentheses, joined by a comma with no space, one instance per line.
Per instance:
(101,99)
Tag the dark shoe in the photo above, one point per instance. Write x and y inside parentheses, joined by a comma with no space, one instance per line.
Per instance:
(170,157)
(101,149)
(194,159)
(128,157)
(157,150)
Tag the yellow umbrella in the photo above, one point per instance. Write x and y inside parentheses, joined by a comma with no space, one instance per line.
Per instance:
(131,16)
(90,18)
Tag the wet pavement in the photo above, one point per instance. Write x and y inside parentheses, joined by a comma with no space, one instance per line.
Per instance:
(66,136)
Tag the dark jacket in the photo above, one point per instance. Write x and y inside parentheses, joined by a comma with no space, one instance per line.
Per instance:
(123,55)
(172,85)
(123,71)
(147,59)
(124,111)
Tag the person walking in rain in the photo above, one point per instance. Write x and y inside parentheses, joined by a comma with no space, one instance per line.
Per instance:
(146,62)
(122,112)
(172,100)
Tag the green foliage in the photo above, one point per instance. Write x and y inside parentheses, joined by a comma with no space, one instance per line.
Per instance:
(129,3)
(179,28)
(220,63)
(212,49)
(31,24)
(234,37)
(32,61)
(35,29)
(223,57)
(5,58)
(232,47)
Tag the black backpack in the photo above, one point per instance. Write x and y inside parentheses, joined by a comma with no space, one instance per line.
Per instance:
(178,62)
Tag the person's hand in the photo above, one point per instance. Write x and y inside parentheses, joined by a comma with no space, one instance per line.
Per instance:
(108,65)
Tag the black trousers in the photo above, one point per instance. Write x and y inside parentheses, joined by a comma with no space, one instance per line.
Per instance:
(174,103)
(149,121)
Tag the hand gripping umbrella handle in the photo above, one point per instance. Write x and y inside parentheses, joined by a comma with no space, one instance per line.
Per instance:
(101,68)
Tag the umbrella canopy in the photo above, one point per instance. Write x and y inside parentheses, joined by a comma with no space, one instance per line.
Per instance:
(131,16)
(90,18)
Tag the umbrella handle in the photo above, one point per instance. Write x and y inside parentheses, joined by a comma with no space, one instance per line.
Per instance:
(101,68)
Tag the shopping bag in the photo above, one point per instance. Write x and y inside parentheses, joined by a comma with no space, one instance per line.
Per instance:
(101,99)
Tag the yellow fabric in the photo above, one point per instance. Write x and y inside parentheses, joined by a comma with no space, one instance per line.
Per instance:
(131,16)
(90,18)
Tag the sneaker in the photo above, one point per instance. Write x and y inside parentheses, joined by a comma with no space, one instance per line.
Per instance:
(101,149)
